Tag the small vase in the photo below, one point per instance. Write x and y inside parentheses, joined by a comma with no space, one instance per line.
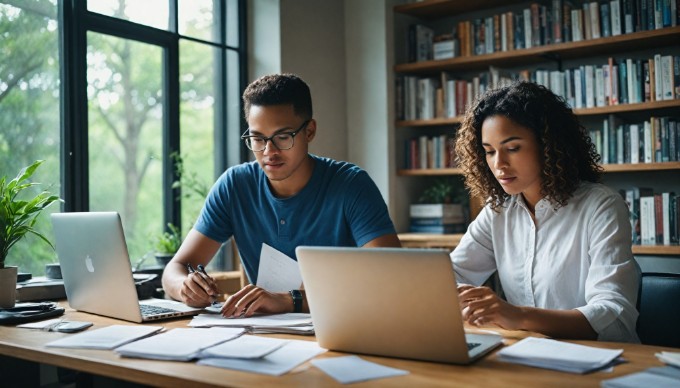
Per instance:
(8,287)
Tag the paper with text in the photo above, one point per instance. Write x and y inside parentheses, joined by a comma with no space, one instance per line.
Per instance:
(277,272)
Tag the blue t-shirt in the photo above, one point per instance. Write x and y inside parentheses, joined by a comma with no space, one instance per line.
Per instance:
(339,206)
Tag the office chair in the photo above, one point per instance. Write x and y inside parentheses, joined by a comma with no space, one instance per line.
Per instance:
(659,307)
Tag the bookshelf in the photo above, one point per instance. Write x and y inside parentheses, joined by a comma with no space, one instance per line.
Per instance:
(440,13)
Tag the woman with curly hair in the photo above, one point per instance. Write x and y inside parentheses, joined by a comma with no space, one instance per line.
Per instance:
(560,241)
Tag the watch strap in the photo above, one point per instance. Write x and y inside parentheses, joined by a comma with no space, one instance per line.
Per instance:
(297,300)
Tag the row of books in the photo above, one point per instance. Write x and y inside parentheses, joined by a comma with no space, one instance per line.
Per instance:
(619,81)
(426,98)
(652,141)
(429,152)
(654,217)
(437,218)
(556,21)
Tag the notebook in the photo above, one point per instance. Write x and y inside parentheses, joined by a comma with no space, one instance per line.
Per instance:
(97,273)
(394,302)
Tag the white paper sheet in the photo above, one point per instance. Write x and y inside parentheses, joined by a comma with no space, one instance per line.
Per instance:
(659,377)
(352,369)
(558,355)
(277,272)
(276,363)
(178,344)
(272,321)
(247,346)
(41,324)
(109,337)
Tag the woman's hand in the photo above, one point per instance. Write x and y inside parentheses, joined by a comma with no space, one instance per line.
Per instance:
(481,306)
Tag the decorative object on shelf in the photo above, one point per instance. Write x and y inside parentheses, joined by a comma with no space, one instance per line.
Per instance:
(166,244)
(440,209)
(17,218)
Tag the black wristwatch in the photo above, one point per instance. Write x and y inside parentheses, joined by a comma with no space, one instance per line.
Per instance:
(297,300)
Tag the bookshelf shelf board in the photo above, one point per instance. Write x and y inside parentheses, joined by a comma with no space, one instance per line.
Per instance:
(429,240)
(435,9)
(656,249)
(430,171)
(643,106)
(641,167)
(431,122)
(615,44)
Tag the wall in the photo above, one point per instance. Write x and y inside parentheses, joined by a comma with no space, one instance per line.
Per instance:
(305,37)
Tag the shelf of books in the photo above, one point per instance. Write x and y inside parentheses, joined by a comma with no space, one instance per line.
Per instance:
(616,63)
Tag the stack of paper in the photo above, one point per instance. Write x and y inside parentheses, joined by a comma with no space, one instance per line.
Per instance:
(660,377)
(109,337)
(292,323)
(669,358)
(563,356)
(178,344)
(279,361)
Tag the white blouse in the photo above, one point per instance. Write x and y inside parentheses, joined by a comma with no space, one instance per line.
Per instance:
(575,257)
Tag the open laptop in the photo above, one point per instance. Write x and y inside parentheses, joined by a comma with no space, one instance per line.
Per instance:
(97,273)
(394,302)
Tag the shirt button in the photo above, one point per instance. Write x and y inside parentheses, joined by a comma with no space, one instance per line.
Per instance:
(283,222)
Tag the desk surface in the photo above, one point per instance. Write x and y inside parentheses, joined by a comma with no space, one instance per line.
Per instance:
(28,344)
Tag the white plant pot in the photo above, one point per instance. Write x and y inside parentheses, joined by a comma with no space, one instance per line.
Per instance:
(8,287)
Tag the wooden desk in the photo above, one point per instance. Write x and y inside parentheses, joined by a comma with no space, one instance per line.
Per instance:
(488,372)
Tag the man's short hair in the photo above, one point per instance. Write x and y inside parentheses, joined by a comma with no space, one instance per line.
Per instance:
(279,89)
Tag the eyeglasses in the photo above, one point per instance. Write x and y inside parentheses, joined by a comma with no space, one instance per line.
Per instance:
(282,140)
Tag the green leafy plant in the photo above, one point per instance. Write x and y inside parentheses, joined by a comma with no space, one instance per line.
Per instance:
(168,242)
(18,216)
(188,181)
(443,191)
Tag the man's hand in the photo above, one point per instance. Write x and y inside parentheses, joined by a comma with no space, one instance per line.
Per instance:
(252,299)
(198,290)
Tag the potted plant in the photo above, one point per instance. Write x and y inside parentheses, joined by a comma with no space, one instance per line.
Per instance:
(17,218)
(440,209)
(166,244)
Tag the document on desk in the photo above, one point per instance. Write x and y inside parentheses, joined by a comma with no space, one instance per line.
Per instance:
(353,369)
(178,344)
(247,346)
(558,355)
(295,323)
(109,337)
(277,272)
(280,361)
(658,377)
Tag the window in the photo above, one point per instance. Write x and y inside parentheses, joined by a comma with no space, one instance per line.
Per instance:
(29,111)
(111,93)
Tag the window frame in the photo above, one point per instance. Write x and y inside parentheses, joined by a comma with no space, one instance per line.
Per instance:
(75,22)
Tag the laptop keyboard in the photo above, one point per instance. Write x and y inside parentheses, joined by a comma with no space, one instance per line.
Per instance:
(472,345)
(154,310)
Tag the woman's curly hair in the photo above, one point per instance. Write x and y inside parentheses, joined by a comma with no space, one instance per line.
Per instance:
(569,155)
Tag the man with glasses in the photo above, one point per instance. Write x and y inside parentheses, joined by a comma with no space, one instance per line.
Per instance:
(286,198)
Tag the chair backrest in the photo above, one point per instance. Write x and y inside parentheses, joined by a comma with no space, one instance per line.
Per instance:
(659,307)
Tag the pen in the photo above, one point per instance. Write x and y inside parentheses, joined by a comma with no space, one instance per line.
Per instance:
(201,269)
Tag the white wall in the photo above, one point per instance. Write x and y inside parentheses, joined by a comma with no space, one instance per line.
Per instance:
(344,50)
(305,37)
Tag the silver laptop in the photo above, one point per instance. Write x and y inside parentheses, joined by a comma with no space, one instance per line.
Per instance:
(97,273)
(394,302)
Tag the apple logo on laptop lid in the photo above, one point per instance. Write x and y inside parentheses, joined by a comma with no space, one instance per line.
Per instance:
(88,263)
